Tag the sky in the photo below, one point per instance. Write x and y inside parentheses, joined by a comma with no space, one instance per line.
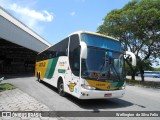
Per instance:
(54,20)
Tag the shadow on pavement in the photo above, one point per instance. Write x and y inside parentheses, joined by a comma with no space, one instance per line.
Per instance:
(95,104)
(50,86)
(11,76)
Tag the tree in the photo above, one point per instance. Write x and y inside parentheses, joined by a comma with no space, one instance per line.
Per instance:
(156,69)
(137,26)
(146,66)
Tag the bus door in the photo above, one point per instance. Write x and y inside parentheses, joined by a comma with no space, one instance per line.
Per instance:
(74,62)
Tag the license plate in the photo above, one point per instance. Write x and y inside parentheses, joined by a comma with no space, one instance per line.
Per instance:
(108,95)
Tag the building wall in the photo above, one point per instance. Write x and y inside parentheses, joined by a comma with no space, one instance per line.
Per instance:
(19,46)
(16,32)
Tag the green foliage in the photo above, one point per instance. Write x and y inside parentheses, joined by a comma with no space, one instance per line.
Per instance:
(137,26)
(128,70)
(6,86)
(151,84)
(146,66)
(156,69)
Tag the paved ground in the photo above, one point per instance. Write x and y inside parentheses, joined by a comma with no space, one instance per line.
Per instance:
(135,99)
(16,100)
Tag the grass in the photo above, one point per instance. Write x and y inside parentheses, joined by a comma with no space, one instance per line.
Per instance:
(150,84)
(6,86)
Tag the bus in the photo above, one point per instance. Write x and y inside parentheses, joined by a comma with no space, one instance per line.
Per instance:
(86,65)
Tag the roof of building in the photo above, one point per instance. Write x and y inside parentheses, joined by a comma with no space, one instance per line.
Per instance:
(21,25)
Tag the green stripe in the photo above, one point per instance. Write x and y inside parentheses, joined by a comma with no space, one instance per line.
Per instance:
(48,67)
(51,67)
(120,84)
(113,84)
(61,70)
(116,84)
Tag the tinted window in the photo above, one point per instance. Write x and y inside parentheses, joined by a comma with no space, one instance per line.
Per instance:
(101,42)
(74,54)
(59,49)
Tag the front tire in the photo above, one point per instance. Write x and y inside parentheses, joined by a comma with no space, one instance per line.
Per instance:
(61,89)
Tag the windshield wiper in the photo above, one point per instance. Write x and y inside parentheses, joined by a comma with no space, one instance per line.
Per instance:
(101,70)
(116,72)
(110,65)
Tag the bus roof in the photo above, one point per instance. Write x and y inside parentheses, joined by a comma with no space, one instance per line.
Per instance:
(87,32)
(94,33)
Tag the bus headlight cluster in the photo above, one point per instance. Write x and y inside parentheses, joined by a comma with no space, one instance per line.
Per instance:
(123,87)
(88,87)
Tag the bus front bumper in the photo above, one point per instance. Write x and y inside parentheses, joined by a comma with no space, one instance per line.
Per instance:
(97,94)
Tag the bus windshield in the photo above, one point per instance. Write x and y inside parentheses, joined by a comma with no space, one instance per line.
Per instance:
(101,42)
(103,65)
(104,60)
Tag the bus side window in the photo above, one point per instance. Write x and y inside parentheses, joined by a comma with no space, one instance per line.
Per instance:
(64,46)
(59,49)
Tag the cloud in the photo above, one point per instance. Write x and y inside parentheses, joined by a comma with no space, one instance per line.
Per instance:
(73,13)
(24,11)
(27,15)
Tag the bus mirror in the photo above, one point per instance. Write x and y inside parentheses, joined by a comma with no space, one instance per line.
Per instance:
(127,53)
(83,50)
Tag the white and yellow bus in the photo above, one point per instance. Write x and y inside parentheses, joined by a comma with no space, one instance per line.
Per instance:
(86,65)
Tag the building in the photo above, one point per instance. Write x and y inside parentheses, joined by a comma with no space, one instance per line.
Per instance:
(19,45)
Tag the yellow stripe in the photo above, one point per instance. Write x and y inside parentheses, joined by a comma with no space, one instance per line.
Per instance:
(41,67)
(101,85)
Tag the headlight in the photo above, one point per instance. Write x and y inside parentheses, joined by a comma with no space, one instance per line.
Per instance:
(123,87)
(88,87)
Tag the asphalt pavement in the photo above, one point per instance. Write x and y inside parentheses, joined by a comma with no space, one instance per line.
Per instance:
(135,99)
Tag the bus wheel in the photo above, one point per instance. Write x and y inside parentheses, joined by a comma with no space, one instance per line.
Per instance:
(61,88)
(38,78)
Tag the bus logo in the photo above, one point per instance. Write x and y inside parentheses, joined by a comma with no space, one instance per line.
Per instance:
(42,64)
(71,86)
